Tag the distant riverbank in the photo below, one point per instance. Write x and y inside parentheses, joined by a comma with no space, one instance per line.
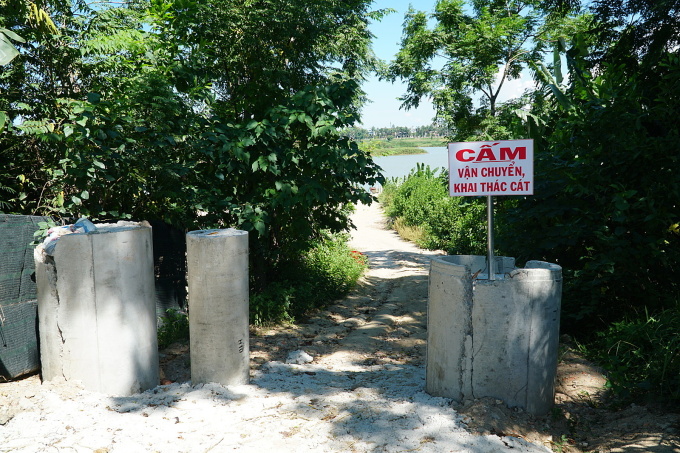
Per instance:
(399,146)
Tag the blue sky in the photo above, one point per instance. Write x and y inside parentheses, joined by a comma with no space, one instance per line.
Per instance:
(384,111)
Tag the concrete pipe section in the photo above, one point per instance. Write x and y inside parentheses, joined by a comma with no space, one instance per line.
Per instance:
(493,338)
(217,266)
(96,309)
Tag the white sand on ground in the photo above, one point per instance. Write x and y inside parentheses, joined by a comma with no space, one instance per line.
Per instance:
(332,404)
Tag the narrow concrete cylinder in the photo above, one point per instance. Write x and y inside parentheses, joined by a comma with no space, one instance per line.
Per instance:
(217,269)
(493,338)
(97,312)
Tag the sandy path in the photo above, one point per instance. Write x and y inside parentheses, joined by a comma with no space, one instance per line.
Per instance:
(363,392)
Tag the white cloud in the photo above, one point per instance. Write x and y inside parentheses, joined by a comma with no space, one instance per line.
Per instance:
(516,87)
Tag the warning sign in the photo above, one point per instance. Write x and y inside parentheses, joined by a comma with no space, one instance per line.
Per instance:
(491,168)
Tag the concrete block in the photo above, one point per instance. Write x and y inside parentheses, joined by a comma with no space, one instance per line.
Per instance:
(96,310)
(493,338)
(217,267)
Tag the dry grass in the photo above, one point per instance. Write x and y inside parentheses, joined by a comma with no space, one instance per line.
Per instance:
(410,233)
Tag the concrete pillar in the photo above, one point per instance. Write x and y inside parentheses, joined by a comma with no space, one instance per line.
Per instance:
(97,312)
(217,269)
(493,338)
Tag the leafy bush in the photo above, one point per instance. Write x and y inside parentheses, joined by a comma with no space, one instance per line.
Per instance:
(413,200)
(607,186)
(454,224)
(174,326)
(326,272)
(389,192)
(331,269)
(415,195)
(272,305)
(642,355)
(457,225)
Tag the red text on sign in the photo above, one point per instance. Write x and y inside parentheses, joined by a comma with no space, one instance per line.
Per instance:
(486,154)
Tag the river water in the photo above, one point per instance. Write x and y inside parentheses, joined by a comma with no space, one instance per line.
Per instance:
(399,166)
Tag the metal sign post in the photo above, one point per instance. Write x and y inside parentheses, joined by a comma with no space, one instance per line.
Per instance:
(491,261)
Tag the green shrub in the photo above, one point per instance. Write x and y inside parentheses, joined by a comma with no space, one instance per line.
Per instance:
(643,355)
(457,225)
(415,199)
(174,327)
(326,272)
(454,224)
(389,191)
(272,305)
(415,195)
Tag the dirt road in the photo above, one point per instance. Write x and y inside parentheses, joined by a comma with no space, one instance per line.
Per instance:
(348,379)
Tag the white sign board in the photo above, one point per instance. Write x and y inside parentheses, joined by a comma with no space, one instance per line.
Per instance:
(491,168)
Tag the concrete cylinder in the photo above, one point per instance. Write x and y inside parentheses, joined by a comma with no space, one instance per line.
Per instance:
(97,312)
(493,338)
(217,269)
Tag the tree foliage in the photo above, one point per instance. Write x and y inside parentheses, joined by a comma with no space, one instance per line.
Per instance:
(202,114)
(607,186)
(605,131)
(481,51)
(420,200)
(257,53)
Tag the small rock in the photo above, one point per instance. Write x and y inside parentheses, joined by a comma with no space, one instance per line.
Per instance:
(300,357)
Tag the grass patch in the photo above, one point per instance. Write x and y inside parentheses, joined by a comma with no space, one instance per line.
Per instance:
(397,151)
(415,142)
(400,146)
(415,234)
(642,356)
(174,327)
(430,217)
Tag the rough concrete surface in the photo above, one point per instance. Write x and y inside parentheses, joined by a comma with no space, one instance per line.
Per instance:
(96,309)
(493,338)
(217,278)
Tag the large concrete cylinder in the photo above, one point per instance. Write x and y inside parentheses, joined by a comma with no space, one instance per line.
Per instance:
(97,312)
(493,338)
(217,269)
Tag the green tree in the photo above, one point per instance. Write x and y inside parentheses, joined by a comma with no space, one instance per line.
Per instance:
(95,123)
(605,206)
(276,102)
(188,112)
(256,53)
(480,50)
